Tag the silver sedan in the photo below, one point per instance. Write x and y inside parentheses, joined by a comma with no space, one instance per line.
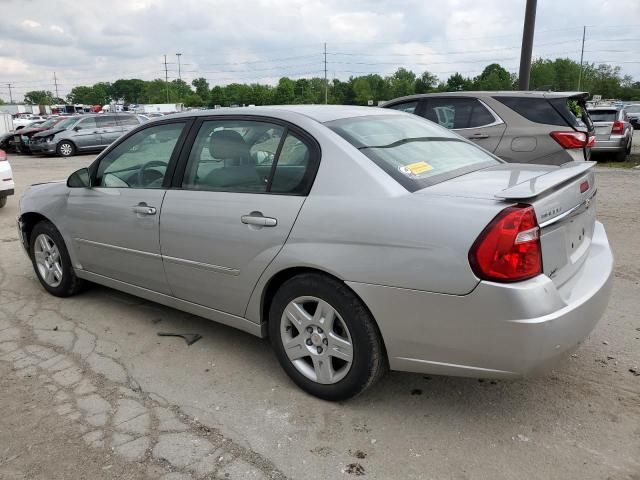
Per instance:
(356,239)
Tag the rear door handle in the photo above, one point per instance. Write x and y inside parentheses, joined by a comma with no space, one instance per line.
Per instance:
(144,209)
(257,219)
(479,135)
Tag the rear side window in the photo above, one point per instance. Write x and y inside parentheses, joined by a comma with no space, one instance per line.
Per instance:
(106,121)
(127,120)
(408,107)
(458,112)
(603,115)
(415,153)
(537,110)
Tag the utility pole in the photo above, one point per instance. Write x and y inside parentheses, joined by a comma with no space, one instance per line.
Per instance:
(584,34)
(166,77)
(326,82)
(179,74)
(527,44)
(55,81)
(10,96)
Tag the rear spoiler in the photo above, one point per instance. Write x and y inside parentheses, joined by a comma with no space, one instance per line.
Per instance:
(537,185)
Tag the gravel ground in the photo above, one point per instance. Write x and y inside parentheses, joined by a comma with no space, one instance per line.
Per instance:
(87,390)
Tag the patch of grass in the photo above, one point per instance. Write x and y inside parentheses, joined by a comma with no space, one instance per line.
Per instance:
(632,161)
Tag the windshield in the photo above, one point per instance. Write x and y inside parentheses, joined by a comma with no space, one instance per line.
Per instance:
(603,115)
(48,124)
(415,152)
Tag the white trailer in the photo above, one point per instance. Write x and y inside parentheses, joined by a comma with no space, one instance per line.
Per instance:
(160,108)
(6,123)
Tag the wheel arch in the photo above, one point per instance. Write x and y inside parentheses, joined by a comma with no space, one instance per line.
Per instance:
(28,221)
(280,277)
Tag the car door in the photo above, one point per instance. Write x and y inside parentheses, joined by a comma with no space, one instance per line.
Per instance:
(86,134)
(232,208)
(114,223)
(468,117)
(109,129)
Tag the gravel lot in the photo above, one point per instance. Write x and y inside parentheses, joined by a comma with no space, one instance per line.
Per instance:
(88,390)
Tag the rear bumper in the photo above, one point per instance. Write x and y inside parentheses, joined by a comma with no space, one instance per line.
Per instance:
(498,330)
(615,144)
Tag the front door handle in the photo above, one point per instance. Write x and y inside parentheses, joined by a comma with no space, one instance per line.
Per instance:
(259,220)
(144,209)
(476,136)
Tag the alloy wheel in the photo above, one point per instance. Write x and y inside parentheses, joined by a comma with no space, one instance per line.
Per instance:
(48,261)
(316,340)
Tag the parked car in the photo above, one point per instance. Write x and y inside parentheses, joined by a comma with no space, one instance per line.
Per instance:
(83,133)
(356,238)
(22,138)
(525,127)
(7,184)
(614,132)
(633,112)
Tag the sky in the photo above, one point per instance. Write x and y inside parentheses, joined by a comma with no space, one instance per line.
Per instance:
(261,40)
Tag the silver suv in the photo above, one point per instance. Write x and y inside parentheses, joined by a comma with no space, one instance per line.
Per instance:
(525,127)
(85,133)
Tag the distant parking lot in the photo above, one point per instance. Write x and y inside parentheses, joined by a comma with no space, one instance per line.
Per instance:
(98,382)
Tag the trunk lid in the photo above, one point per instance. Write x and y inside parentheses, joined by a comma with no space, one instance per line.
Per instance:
(603,130)
(563,199)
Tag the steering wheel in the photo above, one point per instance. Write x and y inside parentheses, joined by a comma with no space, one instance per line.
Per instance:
(143,175)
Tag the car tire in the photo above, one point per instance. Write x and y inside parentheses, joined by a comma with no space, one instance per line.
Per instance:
(3,201)
(49,255)
(66,149)
(621,155)
(319,360)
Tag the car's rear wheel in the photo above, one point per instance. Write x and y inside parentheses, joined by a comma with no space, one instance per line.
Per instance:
(324,337)
(3,201)
(66,149)
(621,155)
(51,261)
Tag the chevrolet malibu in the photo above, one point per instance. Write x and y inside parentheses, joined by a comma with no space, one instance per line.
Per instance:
(357,239)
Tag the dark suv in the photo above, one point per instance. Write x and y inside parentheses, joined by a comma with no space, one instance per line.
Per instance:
(524,127)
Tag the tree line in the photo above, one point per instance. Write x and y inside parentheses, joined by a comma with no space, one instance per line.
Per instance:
(557,75)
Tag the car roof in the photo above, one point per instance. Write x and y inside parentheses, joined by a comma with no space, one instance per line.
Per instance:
(498,93)
(319,113)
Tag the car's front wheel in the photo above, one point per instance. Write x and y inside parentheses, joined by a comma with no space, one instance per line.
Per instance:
(324,337)
(66,149)
(51,261)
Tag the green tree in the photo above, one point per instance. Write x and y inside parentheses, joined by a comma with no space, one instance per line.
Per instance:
(457,82)
(130,91)
(401,83)
(494,77)
(426,82)
(217,96)
(2,102)
(39,97)
(179,90)
(285,92)
(194,100)
(202,88)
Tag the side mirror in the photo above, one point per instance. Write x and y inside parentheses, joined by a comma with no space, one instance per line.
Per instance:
(77,127)
(79,179)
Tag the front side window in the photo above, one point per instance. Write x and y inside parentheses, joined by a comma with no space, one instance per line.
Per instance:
(141,160)
(87,123)
(415,153)
(247,156)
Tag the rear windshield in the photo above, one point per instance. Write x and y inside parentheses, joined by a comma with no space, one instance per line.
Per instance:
(413,151)
(603,115)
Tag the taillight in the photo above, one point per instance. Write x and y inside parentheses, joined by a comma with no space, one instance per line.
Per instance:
(618,128)
(570,139)
(591,141)
(508,249)
(3,156)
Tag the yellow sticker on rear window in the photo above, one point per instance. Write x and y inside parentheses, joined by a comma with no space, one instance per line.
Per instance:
(414,169)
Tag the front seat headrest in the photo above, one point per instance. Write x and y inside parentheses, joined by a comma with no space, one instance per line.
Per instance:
(228,145)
